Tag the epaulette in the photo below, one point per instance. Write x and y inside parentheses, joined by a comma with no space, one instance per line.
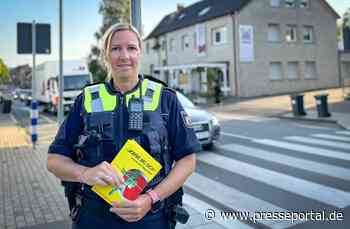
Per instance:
(155,79)
(170,89)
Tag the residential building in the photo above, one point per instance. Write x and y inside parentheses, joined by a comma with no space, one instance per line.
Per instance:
(21,76)
(254,47)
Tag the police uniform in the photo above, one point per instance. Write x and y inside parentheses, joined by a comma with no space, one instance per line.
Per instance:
(102,110)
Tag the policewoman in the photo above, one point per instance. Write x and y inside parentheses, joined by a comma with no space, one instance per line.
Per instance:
(104,117)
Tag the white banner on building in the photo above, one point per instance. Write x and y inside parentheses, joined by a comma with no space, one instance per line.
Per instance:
(246,43)
(201,40)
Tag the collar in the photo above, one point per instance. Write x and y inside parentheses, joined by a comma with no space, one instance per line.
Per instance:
(113,90)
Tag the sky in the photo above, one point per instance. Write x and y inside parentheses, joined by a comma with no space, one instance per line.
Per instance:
(80,21)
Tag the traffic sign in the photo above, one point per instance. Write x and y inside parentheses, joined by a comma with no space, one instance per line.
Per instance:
(24,38)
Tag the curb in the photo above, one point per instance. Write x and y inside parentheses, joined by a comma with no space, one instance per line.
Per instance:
(311,120)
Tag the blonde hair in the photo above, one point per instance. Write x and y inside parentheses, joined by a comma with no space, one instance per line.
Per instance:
(106,42)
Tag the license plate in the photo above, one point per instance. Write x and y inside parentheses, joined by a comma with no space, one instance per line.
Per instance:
(197,127)
(201,135)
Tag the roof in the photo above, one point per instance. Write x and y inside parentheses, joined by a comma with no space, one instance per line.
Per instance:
(331,9)
(190,15)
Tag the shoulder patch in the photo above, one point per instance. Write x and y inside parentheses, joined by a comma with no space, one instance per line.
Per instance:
(186,119)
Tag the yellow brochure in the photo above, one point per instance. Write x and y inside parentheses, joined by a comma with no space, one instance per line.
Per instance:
(138,169)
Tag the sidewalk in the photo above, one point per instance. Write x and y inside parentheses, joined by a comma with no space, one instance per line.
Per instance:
(30,196)
(280,106)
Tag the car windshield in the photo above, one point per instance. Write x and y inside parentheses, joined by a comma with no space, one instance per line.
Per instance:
(185,102)
(75,82)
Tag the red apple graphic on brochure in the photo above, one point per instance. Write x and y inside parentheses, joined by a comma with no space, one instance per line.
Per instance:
(134,183)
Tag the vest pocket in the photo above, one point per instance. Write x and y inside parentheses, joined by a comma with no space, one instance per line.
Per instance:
(102,122)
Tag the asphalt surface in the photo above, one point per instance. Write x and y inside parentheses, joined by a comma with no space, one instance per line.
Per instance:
(259,166)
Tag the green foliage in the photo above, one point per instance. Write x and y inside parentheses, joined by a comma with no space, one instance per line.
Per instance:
(4,73)
(339,30)
(346,18)
(98,72)
(113,11)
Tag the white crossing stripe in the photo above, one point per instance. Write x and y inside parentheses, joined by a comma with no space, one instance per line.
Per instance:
(237,136)
(314,127)
(322,142)
(306,149)
(201,207)
(321,193)
(343,132)
(325,169)
(328,136)
(236,200)
(251,118)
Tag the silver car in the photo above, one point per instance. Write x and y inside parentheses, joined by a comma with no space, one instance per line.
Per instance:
(205,124)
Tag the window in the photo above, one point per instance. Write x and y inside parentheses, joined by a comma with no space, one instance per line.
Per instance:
(147,47)
(185,42)
(273,32)
(289,3)
(163,44)
(293,70)
(195,40)
(204,11)
(181,16)
(171,44)
(310,70)
(275,70)
(304,4)
(308,34)
(219,35)
(275,3)
(291,33)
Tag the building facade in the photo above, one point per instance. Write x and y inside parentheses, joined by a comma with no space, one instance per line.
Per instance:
(252,47)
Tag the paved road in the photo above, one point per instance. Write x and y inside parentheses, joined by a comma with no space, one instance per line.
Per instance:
(270,165)
(264,164)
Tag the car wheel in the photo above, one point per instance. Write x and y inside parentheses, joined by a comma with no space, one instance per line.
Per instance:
(209,146)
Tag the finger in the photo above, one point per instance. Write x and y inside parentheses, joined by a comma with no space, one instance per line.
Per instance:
(117,179)
(108,179)
(123,211)
(132,218)
(117,173)
(125,203)
(128,217)
(101,182)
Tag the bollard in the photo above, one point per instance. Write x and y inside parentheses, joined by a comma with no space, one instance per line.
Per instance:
(6,106)
(298,105)
(322,105)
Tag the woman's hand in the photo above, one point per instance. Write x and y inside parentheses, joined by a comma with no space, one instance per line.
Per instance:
(132,211)
(103,174)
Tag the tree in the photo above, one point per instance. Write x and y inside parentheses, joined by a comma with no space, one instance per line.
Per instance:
(4,73)
(339,30)
(346,18)
(113,11)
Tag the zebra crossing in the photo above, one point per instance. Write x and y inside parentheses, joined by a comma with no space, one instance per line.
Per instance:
(332,147)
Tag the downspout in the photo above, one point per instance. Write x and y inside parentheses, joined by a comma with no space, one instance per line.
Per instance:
(340,73)
(236,52)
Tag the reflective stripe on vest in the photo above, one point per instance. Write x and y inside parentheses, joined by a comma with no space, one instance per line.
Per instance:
(97,99)
(150,93)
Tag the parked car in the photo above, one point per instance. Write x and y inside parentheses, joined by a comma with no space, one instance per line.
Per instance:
(25,95)
(205,124)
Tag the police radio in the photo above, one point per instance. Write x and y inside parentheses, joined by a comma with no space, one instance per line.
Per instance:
(135,110)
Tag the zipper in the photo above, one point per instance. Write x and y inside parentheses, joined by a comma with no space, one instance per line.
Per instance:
(121,122)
